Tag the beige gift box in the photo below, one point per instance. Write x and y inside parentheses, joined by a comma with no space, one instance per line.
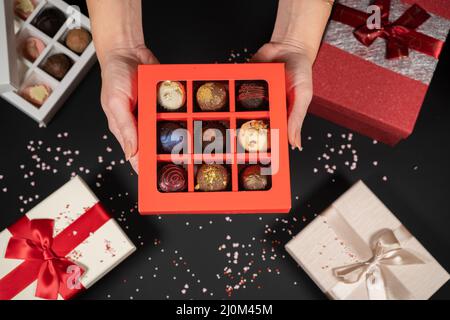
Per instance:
(357,249)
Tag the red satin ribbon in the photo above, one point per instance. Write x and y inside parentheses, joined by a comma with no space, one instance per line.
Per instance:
(400,35)
(44,256)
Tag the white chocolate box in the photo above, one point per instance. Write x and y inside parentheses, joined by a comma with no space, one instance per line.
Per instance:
(342,235)
(98,254)
(17,72)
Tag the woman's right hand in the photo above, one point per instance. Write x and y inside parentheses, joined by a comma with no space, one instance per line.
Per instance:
(119,95)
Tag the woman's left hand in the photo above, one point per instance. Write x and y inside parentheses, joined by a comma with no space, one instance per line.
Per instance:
(298,83)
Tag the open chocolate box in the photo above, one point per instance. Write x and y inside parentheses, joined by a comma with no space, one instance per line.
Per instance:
(46,49)
(186,165)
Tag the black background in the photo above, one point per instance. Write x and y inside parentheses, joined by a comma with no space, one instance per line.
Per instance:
(411,179)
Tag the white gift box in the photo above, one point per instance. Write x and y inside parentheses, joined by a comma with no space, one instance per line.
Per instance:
(16,72)
(357,250)
(103,248)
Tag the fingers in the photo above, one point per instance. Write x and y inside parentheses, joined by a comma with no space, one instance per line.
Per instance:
(299,99)
(134,162)
(121,121)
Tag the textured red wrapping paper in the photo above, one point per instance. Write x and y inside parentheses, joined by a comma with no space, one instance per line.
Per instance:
(365,97)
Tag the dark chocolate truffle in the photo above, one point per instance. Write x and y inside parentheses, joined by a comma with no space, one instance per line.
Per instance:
(171,95)
(57,65)
(172,178)
(77,40)
(171,134)
(49,21)
(211,133)
(252,95)
(212,96)
(212,177)
(252,179)
(254,136)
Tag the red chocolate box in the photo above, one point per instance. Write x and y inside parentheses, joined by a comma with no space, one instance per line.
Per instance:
(374,81)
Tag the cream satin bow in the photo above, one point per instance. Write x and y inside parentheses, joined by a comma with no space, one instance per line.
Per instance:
(387,250)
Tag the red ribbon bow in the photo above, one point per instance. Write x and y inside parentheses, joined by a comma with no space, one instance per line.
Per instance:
(45,256)
(36,245)
(400,35)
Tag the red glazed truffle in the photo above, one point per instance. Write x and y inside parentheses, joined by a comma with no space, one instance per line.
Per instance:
(252,95)
(252,179)
(172,178)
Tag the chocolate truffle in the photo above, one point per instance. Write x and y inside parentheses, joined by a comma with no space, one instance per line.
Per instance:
(57,65)
(77,40)
(171,95)
(36,94)
(171,134)
(252,179)
(24,8)
(212,96)
(252,95)
(254,136)
(172,178)
(212,177)
(211,132)
(49,21)
(32,48)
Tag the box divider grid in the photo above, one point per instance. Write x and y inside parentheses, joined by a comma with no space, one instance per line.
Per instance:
(231,96)
(191,178)
(190,97)
(234,166)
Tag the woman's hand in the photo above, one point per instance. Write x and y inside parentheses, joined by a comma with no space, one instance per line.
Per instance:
(119,95)
(298,83)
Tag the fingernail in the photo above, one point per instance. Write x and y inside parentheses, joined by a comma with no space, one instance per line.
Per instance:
(127,150)
(292,147)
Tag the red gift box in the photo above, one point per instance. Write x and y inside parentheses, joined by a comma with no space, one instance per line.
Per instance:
(377,88)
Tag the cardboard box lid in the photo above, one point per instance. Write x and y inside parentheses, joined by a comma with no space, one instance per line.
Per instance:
(9,77)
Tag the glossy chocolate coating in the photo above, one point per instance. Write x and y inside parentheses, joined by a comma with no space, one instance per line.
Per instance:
(252,179)
(170,135)
(49,21)
(212,96)
(212,177)
(172,178)
(252,95)
(210,132)
(77,40)
(57,65)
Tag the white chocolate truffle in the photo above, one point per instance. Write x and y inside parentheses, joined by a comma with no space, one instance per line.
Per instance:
(171,95)
(36,94)
(254,136)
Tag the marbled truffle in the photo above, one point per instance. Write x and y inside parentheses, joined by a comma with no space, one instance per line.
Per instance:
(57,65)
(32,48)
(214,134)
(254,136)
(171,95)
(252,95)
(49,21)
(212,96)
(171,134)
(77,40)
(24,8)
(252,179)
(172,178)
(212,177)
(36,94)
